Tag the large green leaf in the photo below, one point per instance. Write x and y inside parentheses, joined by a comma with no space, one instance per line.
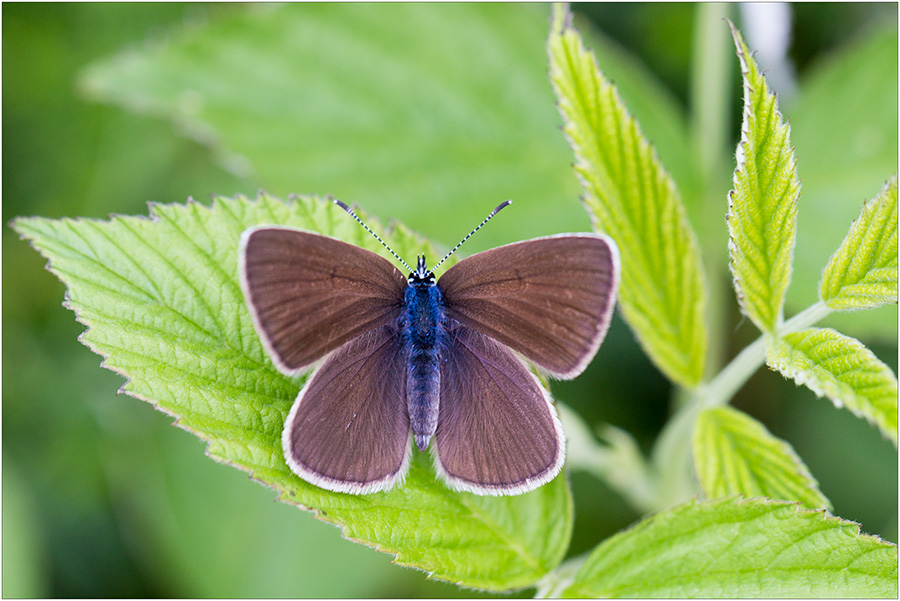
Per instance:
(862,273)
(396,105)
(842,369)
(399,106)
(735,455)
(762,210)
(633,199)
(739,548)
(163,307)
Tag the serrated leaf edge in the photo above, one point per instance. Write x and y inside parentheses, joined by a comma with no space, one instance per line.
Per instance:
(561,23)
(282,495)
(647,521)
(740,156)
(810,482)
(802,378)
(844,259)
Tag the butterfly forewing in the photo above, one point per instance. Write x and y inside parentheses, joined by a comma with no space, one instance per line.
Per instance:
(550,299)
(309,294)
(348,430)
(497,431)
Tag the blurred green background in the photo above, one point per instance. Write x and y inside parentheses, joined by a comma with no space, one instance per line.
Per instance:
(430,114)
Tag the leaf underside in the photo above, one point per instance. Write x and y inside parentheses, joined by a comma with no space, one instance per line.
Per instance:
(735,455)
(840,368)
(762,211)
(161,301)
(862,273)
(634,200)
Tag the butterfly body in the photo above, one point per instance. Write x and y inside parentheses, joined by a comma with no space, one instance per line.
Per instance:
(444,364)
(423,330)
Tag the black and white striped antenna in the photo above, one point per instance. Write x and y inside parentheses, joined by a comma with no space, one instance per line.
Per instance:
(383,243)
(499,208)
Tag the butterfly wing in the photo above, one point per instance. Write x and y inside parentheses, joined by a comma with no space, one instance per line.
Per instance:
(348,430)
(497,432)
(310,294)
(550,299)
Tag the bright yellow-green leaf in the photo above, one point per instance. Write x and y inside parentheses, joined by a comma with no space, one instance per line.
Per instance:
(162,304)
(842,369)
(735,455)
(634,200)
(739,548)
(863,271)
(845,135)
(762,210)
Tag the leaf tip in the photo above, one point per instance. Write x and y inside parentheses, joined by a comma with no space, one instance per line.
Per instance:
(560,18)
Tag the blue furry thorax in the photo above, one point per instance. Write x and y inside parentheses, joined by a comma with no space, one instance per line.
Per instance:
(423,311)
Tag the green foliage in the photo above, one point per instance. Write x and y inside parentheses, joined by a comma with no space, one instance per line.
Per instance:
(633,199)
(735,455)
(162,305)
(863,272)
(842,369)
(762,212)
(260,85)
(739,548)
(333,97)
(844,129)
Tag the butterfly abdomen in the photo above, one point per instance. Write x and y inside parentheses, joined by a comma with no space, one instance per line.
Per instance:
(424,337)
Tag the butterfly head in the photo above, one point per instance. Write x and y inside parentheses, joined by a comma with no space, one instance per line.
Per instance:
(422,275)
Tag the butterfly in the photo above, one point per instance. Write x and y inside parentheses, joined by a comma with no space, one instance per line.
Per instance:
(416,361)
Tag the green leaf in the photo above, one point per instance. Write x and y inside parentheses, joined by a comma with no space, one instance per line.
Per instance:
(735,455)
(661,114)
(762,209)
(853,91)
(633,199)
(842,369)
(862,273)
(332,96)
(739,548)
(161,301)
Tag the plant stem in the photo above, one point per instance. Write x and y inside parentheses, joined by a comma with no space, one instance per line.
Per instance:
(710,100)
(709,93)
(671,455)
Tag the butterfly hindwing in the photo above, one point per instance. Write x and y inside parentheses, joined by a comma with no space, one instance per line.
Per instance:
(497,431)
(348,430)
(550,299)
(310,294)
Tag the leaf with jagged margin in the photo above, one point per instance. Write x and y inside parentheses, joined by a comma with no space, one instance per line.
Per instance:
(853,89)
(762,207)
(162,304)
(736,455)
(739,548)
(862,273)
(840,368)
(634,200)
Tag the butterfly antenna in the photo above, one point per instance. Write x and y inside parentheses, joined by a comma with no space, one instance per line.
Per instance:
(500,207)
(383,243)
